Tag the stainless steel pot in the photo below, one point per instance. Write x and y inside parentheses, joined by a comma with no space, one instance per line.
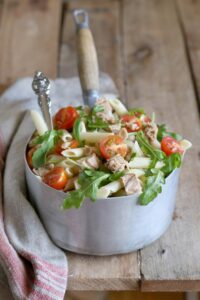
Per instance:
(108,226)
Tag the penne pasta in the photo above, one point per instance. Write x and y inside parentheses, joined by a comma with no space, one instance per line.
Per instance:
(39,122)
(140,163)
(118,106)
(66,137)
(75,152)
(70,184)
(159,165)
(137,172)
(109,189)
(94,137)
(137,149)
(185,144)
(76,184)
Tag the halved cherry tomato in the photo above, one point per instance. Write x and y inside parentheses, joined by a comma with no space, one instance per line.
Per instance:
(170,145)
(56,178)
(65,118)
(132,123)
(29,156)
(58,149)
(111,146)
(74,144)
(147,119)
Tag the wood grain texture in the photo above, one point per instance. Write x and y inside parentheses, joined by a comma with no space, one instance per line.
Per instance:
(125,295)
(189,12)
(144,296)
(105,23)
(158,79)
(117,272)
(29,34)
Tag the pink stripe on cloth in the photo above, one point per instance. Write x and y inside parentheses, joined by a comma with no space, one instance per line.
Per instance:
(23,269)
(13,265)
(57,270)
(40,295)
(55,292)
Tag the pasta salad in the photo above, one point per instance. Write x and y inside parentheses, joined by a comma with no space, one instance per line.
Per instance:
(104,151)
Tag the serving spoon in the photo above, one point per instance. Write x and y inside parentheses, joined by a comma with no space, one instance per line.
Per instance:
(41,87)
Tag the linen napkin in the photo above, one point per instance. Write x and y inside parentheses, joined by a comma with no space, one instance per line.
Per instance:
(31,266)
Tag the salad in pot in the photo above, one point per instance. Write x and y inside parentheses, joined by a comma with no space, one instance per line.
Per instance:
(104,151)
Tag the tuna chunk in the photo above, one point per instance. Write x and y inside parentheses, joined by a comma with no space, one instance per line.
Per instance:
(151,131)
(117,163)
(131,184)
(90,162)
(115,128)
(106,114)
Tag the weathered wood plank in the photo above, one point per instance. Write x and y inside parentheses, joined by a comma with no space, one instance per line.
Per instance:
(118,272)
(189,12)
(29,34)
(105,22)
(158,78)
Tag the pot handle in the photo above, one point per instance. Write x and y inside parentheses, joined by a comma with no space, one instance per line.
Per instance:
(87,56)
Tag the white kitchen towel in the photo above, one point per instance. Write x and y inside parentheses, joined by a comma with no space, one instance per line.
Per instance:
(31,266)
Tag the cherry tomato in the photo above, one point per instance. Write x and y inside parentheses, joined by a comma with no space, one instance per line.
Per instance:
(170,145)
(74,144)
(29,156)
(58,149)
(132,123)
(147,119)
(56,178)
(65,118)
(111,146)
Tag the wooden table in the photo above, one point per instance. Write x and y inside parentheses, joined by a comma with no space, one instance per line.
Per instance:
(151,49)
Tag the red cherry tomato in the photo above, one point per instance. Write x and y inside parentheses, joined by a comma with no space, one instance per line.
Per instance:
(29,156)
(65,118)
(132,123)
(170,145)
(56,178)
(74,144)
(147,119)
(58,149)
(111,146)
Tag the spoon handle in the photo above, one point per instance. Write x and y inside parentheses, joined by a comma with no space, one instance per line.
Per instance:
(41,86)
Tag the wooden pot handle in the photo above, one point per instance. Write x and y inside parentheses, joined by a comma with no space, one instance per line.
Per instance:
(87,56)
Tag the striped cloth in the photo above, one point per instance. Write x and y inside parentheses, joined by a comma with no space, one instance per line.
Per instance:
(31,266)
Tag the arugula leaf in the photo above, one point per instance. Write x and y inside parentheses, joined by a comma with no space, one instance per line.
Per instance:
(82,112)
(148,149)
(95,121)
(89,181)
(97,108)
(152,188)
(171,163)
(46,141)
(116,176)
(162,132)
(139,110)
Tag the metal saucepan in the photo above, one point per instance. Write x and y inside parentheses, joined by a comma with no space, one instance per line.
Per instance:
(108,226)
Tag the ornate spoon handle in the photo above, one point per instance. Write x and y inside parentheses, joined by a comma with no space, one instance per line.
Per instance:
(41,86)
